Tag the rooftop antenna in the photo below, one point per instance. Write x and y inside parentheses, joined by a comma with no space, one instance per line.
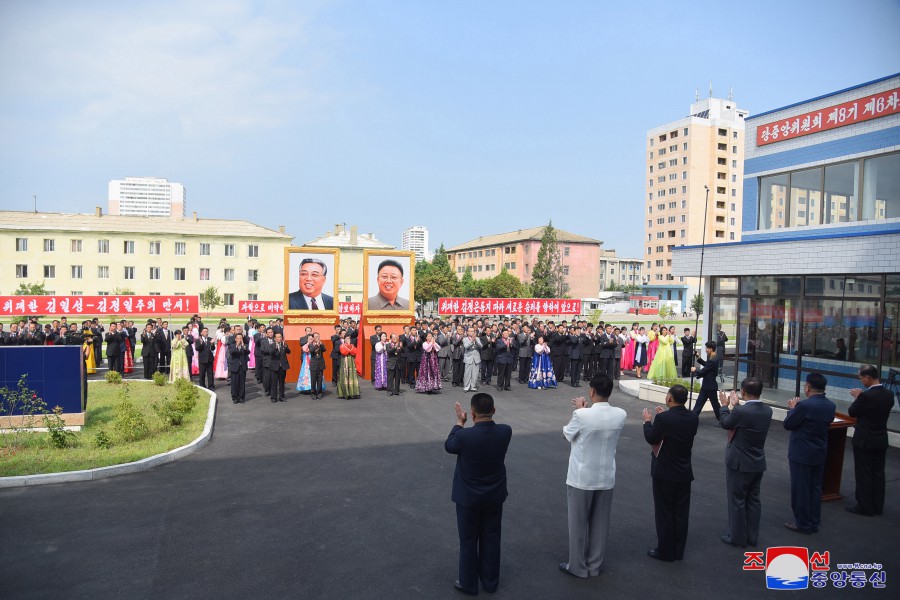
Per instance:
(731,94)
(710,89)
(35,201)
(696,94)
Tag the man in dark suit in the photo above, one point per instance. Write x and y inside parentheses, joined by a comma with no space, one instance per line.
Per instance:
(238,359)
(189,349)
(808,422)
(206,351)
(114,341)
(413,356)
(268,343)
(558,341)
(707,374)
(871,408)
(608,344)
(525,343)
(488,353)
(479,490)
(576,353)
(258,337)
(374,339)
(456,356)
(394,370)
(505,352)
(313,275)
(671,434)
(688,340)
(149,353)
(335,354)
(278,365)
(164,347)
(745,460)
(316,350)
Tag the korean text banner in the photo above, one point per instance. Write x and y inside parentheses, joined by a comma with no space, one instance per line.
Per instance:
(276,307)
(508,306)
(99,305)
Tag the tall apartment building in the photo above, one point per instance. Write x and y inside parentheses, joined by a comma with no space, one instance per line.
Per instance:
(684,157)
(147,197)
(416,239)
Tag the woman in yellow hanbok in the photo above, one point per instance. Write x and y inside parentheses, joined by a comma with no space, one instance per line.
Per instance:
(663,366)
(87,350)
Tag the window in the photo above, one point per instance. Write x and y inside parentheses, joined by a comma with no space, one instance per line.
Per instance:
(673,205)
(673,148)
(129,273)
(75,246)
(180,248)
(734,134)
(649,222)
(228,299)
(720,234)
(734,149)
(154,272)
(229,249)
(672,219)
(651,168)
(731,236)
(565,269)
(204,248)
(565,251)
(661,165)
(204,276)
(49,245)
(21,271)
(661,179)
(682,233)
(76,271)
(229,274)
(659,263)
(661,193)
(662,151)
(673,162)
(155,247)
(684,218)
(684,147)
(733,178)
(720,189)
(881,187)
(102,272)
(723,132)
(734,164)
(733,207)
(734,192)
(651,155)
(102,246)
(721,175)
(684,204)
(841,184)
(49,271)
(21,244)
(128,247)
(684,160)
(805,186)
(673,176)
(685,131)
(684,189)
(76,293)
(180,274)
(723,147)
(661,221)
(256,297)
(253,251)
(252,275)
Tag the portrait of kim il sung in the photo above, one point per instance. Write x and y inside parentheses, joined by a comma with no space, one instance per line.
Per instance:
(388,281)
(310,279)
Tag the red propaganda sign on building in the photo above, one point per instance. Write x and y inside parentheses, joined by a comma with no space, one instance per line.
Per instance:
(261,307)
(99,305)
(508,306)
(841,115)
(350,308)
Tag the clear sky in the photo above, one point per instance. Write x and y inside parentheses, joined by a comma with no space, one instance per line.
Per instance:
(468,117)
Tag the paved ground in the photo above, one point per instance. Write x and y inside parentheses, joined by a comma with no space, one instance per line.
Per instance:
(351,499)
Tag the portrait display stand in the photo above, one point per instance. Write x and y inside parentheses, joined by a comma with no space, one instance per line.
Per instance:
(834,461)
(55,374)
(389,325)
(294,329)
(398,269)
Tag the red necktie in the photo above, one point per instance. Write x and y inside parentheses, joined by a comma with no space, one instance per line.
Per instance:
(314,306)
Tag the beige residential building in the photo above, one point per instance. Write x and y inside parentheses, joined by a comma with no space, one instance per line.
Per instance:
(705,149)
(517,251)
(94,254)
(619,271)
(351,244)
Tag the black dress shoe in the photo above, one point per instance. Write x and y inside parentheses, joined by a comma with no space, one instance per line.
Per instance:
(564,567)
(654,553)
(727,540)
(274,400)
(793,527)
(459,588)
(856,511)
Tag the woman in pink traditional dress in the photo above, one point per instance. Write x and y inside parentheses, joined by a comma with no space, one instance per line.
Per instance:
(429,379)
(195,364)
(221,351)
(628,349)
(653,336)
(252,335)
(129,361)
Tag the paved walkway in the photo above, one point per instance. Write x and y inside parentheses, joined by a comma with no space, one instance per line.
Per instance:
(351,499)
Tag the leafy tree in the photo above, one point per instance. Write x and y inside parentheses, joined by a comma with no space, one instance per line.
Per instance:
(612,287)
(468,286)
(31,289)
(503,285)
(546,276)
(697,303)
(436,283)
(210,299)
(123,292)
(666,311)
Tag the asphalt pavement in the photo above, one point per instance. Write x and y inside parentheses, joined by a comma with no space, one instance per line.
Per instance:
(351,499)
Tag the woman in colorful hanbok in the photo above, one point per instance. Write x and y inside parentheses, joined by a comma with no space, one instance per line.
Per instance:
(178,368)
(348,381)
(87,348)
(627,362)
(429,379)
(653,336)
(380,375)
(663,366)
(304,381)
(640,351)
(129,360)
(195,363)
(541,376)
(221,350)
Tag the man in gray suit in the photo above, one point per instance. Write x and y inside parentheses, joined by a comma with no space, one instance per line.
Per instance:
(525,341)
(471,360)
(745,460)
(443,340)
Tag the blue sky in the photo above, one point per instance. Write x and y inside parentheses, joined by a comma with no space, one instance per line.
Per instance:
(467,117)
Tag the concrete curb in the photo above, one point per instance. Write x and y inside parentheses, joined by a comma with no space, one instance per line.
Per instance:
(132,467)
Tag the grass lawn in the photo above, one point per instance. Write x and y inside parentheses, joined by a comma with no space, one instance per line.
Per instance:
(35,454)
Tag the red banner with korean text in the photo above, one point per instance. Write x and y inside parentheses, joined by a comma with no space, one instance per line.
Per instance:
(99,305)
(350,308)
(840,115)
(508,306)
(261,307)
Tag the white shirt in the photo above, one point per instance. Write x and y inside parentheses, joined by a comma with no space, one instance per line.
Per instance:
(594,433)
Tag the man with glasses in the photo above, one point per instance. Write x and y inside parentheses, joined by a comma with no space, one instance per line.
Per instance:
(871,408)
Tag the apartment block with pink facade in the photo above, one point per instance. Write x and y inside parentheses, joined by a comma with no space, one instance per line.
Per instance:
(516,251)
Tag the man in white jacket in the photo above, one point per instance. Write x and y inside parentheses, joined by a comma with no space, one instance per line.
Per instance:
(593,432)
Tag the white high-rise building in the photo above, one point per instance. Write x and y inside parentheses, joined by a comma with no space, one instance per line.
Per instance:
(147,197)
(416,239)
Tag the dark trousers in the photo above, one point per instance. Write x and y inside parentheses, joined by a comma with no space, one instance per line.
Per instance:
(686,364)
(116,363)
(317,379)
(744,506)
(266,379)
(868,466)
(276,384)
(672,507)
(487,369)
(149,366)
(617,365)
(702,397)
(606,364)
(258,371)
(806,495)
(559,366)
(393,379)
(335,369)
(575,370)
(402,363)
(164,359)
(238,384)
(444,362)
(372,361)
(207,372)
(412,371)
(457,371)
(504,374)
(479,546)
(524,368)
